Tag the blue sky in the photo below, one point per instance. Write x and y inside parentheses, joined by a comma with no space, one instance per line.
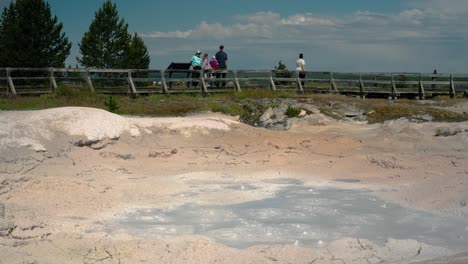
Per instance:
(338,35)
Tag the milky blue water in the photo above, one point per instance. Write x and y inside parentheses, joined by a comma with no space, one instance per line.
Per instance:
(299,213)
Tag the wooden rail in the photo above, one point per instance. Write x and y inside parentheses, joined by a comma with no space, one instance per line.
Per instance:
(26,81)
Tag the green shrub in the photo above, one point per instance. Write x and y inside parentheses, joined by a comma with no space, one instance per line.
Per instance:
(292,111)
(281,71)
(111,104)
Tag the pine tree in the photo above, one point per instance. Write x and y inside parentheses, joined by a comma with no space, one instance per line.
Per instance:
(107,41)
(7,28)
(31,37)
(282,72)
(137,55)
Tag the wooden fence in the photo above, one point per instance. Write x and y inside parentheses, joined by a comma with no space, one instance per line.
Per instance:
(29,81)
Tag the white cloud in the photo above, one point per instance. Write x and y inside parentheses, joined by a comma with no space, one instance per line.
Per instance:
(174,34)
(265,18)
(364,25)
(442,6)
(412,16)
(370,38)
(308,19)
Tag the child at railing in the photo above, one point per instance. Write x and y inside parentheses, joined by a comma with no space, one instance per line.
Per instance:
(215,67)
(206,66)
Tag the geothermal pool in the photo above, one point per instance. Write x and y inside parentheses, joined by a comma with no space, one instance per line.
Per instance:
(298,214)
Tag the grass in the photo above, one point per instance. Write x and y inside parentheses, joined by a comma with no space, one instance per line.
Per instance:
(248,104)
(292,111)
(381,113)
(381,110)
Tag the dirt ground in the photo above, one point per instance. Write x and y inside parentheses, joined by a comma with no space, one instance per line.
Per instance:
(66,171)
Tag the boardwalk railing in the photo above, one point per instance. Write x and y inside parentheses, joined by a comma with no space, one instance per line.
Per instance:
(28,81)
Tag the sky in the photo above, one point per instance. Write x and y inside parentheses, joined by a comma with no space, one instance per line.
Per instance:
(333,35)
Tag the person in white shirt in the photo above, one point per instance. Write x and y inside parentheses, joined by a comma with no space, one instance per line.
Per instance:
(300,63)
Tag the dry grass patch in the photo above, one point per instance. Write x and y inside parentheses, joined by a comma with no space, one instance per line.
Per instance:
(249,104)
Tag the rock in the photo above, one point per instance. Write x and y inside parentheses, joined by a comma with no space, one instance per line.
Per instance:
(164,155)
(302,113)
(99,145)
(463,203)
(422,118)
(2,210)
(386,164)
(86,143)
(352,114)
(6,227)
(125,156)
(266,115)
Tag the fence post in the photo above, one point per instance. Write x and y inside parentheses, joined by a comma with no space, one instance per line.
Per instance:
(10,82)
(272,82)
(394,91)
(163,81)
(89,81)
(452,87)
(202,80)
(361,87)
(422,93)
(132,85)
(333,88)
(236,82)
(53,83)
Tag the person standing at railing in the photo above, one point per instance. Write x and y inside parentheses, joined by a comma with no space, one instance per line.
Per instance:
(300,63)
(206,66)
(222,59)
(196,65)
(214,63)
(215,67)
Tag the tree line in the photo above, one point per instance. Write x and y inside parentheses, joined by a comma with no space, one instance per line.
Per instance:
(30,36)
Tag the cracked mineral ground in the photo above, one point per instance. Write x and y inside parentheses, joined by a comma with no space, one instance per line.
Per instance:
(82,185)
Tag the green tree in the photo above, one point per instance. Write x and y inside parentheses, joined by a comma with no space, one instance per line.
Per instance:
(137,54)
(31,37)
(282,72)
(7,28)
(108,44)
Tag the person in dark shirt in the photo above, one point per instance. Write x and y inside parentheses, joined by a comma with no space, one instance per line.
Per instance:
(222,59)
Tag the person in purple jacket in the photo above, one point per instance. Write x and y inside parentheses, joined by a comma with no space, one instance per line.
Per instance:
(206,66)
(215,67)
(206,63)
